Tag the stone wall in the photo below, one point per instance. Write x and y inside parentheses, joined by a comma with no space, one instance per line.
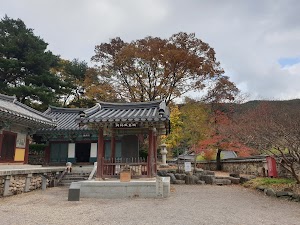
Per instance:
(257,167)
(20,183)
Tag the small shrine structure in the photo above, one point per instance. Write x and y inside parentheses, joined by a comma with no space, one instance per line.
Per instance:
(128,124)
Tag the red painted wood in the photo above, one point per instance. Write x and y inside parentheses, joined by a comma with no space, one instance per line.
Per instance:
(113,151)
(47,154)
(26,150)
(150,153)
(155,153)
(15,140)
(1,139)
(100,154)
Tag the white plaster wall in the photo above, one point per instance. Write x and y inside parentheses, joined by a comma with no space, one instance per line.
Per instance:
(93,150)
(71,150)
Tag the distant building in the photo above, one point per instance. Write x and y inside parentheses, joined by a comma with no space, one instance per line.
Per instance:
(17,122)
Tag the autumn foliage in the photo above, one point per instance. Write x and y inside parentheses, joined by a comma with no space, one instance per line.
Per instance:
(274,131)
(221,136)
(154,68)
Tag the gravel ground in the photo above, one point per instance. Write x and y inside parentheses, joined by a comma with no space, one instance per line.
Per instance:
(187,205)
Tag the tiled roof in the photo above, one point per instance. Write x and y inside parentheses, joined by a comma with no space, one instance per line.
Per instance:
(12,110)
(155,111)
(65,118)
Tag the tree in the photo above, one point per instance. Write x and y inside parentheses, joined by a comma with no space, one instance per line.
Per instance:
(72,74)
(155,68)
(222,136)
(174,139)
(195,117)
(25,65)
(99,88)
(274,130)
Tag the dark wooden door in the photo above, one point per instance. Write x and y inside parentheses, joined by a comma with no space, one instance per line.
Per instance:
(59,152)
(8,147)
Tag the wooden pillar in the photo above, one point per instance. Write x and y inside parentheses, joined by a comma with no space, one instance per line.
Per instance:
(1,141)
(113,145)
(26,150)
(150,153)
(113,151)
(155,152)
(47,154)
(100,154)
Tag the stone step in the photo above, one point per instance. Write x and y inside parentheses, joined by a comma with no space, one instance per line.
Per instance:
(73,177)
(77,174)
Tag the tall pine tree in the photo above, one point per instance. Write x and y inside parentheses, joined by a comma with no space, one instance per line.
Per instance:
(25,66)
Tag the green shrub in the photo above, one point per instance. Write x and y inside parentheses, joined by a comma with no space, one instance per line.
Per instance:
(36,149)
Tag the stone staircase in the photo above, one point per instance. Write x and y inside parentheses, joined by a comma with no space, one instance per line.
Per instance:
(73,177)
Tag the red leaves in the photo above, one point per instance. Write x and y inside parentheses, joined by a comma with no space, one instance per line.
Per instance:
(223,136)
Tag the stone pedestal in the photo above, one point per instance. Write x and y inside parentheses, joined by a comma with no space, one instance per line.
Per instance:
(6,191)
(27,182)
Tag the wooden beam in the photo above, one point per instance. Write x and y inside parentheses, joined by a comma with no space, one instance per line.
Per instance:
(113,145)
(26,150)
(47,153)
(1,141)
(150,153)
(100,154)
(113,151)
(155,152)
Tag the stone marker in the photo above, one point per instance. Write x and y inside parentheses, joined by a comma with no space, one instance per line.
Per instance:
(74,192)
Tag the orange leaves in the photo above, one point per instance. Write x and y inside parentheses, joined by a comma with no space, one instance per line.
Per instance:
(223,135)
(155,68)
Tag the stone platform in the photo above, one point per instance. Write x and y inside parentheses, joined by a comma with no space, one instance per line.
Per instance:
(158,187)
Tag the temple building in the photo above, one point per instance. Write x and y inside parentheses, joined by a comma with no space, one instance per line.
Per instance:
(111,134)
(17,123)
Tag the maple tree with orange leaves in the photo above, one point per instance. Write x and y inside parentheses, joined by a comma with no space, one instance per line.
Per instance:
(222,136)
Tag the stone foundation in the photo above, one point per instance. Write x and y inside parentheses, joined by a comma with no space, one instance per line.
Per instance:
(13,182)
(256,167)
(152,188)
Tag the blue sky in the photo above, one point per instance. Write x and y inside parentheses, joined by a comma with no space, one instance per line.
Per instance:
(289,61)
(256,41)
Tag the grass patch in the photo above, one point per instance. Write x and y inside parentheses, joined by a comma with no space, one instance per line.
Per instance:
(275,183)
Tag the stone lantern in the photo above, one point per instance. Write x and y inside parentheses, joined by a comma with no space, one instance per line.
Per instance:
(163,152)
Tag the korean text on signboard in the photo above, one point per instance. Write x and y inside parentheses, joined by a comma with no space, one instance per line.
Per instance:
(125,125)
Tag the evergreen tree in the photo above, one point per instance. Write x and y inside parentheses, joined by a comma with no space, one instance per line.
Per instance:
(25,66)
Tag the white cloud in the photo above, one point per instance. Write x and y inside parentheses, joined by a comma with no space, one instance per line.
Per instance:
(249,36)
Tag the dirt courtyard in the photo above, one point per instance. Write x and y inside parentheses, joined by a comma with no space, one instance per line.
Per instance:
(194,204)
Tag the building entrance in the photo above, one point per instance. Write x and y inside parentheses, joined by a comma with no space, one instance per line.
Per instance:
(82,152)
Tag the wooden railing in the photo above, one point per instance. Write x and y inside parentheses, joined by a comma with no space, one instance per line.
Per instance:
(113,166)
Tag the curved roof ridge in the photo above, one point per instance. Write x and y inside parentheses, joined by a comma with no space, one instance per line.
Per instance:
(8,98)
(92,110)
(10,105)
(130,104)
(52,108)
(33,110)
